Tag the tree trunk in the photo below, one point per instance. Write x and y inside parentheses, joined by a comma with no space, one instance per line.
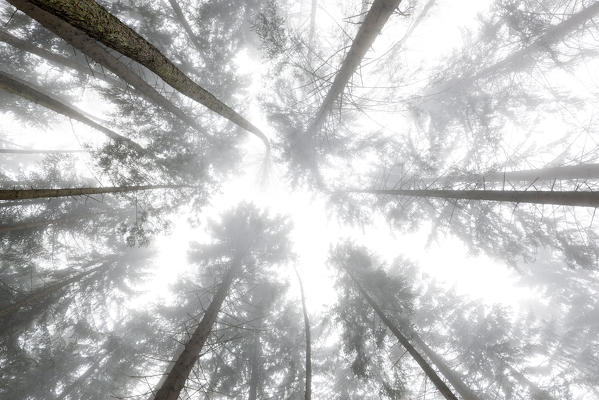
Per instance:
(175,380)
(35,151)
(55,59)
(308,390)
(561,198)
(463,390)
(44,292)
(538,393)
(583,171)
(374,21)
(15,86)
(98,23)
(255,367)
(529,55)
(96,52)
(183,21)
(19,194)
(428,370)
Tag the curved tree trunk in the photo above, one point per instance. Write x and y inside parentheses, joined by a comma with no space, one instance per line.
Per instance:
(561,198)
(47,193)
(428,370)
(96,52)
(44,292)
(174,381)
(308,389)
(15,86)
(98,23)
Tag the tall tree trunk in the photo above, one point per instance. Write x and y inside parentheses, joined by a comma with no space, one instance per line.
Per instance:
(374,21)
(183,21)
(428,370)
(19,194)
(255,366)
(35,151)
(312,26)
(15,86)
(583,171)
(562,198)
(98,23)
(81,379)
(538,393)
(44,292)
(529,55)
(308,389)
(55,59)
(175,380)
(463,390)
(96,52)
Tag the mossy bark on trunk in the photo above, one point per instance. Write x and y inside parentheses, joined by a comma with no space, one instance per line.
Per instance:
(19,194)
(97,22)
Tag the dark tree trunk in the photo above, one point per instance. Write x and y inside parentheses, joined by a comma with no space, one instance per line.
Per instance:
(47,193)
(175,380)
(428,370)
(308,389)
(96,52)
(98,23)
(183,21)
(15,86)
(375,19)
(44,292)
(463,390)
(562,198)
(255,366)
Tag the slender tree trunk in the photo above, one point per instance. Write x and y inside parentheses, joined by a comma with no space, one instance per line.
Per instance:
(312,25)
(255,367)
(583,171)
(562,198)
(428,370)
(529,55)
(463,390)
(15,86)
(98,23)
(36,151)
(96,52)
(175,380)
(81,379)
(183,21)
(44,292)
(19,194)
(538,393)
(308,389)
(374,21)
(55,59)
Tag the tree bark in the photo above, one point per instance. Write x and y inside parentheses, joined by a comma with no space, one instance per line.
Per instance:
(35,151)
(53,58)
(463,390)
(15,86)
(44,292)
(375,19)
(583,171)
(255,367)
(96,52)
(308,389)
(561,198)
(428,370)
(175,380)
(19,194)
(98,23)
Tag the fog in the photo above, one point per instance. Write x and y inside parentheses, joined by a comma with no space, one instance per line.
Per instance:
(274,199)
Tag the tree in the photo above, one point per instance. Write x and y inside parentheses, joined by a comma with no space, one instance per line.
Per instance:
(113,33)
